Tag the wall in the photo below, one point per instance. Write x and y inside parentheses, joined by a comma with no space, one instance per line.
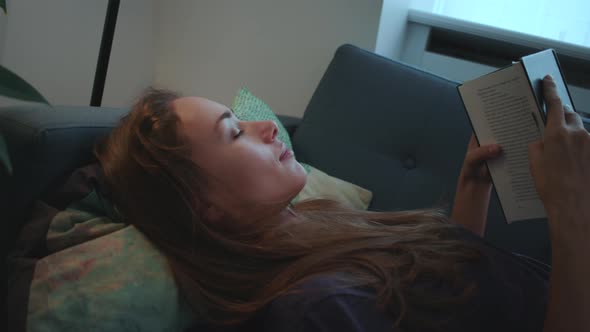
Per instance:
(131,66)
(54,46)
(2,33)
(278,49)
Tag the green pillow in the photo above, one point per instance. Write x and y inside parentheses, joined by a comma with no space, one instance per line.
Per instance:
(248,107)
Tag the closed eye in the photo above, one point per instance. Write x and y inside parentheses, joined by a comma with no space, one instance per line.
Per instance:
(240,132)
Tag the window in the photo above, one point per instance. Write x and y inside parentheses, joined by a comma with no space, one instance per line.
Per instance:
(563,20)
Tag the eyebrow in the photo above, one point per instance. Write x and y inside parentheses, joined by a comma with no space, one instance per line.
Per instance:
(227,114)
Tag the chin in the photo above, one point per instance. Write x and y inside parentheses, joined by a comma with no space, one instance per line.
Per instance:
(297,182)
(303,175)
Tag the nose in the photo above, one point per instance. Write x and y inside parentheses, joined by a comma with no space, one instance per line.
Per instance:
(270,131)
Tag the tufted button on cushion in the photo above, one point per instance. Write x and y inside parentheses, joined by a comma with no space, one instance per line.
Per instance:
(409,162)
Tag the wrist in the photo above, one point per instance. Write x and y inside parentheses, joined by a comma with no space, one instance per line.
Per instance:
(471,206)
(473,186)
(569,226)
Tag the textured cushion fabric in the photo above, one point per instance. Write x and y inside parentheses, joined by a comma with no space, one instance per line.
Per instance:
(116,282)
(248,107)
(290,123)
(407,132)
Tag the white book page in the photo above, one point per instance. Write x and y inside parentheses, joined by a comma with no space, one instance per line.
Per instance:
(503,110)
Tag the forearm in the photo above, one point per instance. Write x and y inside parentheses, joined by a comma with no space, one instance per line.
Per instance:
(470,208)
(568,308)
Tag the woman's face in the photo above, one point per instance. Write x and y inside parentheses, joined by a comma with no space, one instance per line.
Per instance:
(240,157)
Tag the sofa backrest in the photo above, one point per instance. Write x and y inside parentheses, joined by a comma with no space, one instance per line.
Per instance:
(402,133)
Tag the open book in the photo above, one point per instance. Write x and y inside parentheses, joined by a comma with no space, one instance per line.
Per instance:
(506,107)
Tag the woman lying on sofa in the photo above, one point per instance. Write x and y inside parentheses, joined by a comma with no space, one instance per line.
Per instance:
(212,193)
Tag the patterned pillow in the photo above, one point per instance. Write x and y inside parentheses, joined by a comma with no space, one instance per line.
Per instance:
(91,271)
(116,282)
(248,107)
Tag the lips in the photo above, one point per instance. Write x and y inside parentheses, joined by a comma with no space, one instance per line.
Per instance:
(285,150)
(284,153)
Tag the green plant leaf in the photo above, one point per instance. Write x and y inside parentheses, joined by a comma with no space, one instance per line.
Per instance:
(4,157)
(3,5)
(11,85)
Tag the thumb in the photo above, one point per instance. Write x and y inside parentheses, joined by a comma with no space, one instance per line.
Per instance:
(535,153)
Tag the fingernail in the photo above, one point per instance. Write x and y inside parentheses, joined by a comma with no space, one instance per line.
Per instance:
(548,77)
(568,108)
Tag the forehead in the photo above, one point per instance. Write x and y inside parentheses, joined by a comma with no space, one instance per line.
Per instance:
(198,117)
(197,109)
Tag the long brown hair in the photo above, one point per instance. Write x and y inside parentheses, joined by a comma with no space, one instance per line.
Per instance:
(228,277)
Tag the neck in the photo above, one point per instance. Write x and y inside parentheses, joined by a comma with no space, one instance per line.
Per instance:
(287,214)
(273,215)
(282,215)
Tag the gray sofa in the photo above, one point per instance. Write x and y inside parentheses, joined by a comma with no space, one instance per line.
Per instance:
(394,129)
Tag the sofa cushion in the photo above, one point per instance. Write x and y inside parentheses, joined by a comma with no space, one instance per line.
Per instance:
(402,133)
(405,128)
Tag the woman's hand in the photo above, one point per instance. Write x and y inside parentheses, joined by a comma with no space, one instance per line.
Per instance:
(474,172)
(560,166)
(474,187)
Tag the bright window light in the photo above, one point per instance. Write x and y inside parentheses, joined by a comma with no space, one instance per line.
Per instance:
(567,21)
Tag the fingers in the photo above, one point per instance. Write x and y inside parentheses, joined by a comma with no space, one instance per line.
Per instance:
(555,112)
(472,143)
(482,153)
(572,118)
(535,151)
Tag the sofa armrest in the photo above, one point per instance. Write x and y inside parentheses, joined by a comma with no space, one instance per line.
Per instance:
(290,123)
(44,144)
